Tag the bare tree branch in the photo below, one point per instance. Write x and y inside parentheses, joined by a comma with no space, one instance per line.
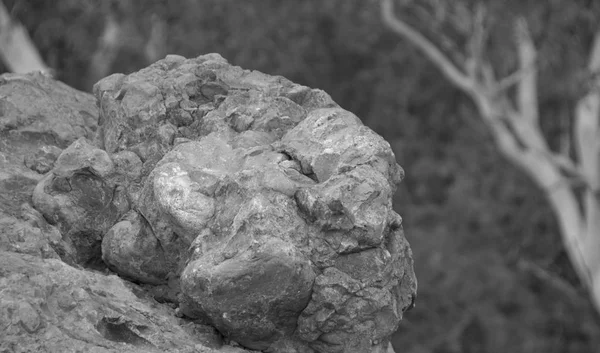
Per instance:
(586,124)
(477,41)
(512,79)
(431,51)
(155,47)
(109,44)
(587,148)
(555,281)
(514,124)
(527,88)
(566,164)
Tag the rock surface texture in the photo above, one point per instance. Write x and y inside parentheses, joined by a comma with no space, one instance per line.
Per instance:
(257,210)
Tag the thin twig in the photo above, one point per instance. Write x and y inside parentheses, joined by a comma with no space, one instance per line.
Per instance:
(527,89)
(477,41)
(431,51)
(556,282)
(564,163)
(513,79)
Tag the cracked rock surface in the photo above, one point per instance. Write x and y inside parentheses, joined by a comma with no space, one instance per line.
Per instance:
(255,206)
(48,303)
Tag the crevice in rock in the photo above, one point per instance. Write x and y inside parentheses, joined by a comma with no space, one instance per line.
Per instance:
(305,169)
(96,263)
(288,155)
(117,331)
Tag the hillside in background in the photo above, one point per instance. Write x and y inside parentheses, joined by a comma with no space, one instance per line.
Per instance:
(493,274)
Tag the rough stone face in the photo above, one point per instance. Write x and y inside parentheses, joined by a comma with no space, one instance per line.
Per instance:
(79,197)
(47,305)
(58,122)
(254,205)
(269,203)
(40,117)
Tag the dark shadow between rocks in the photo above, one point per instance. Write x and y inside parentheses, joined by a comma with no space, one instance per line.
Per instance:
(114,330)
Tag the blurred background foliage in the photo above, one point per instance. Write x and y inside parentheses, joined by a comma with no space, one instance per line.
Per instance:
(493,275)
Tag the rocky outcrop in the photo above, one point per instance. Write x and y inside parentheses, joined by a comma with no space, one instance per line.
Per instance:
(48,303)
(252,205)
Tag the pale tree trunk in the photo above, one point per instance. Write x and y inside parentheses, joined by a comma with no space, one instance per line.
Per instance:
(587,143)
(17,50)
(107,49)
(514,123)
(156,45)
(117,35)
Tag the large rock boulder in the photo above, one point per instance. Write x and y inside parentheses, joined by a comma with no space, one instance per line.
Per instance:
(47,305)
(252,205)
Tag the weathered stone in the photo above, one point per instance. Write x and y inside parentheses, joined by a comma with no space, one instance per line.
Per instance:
(45,304)
(261,258)
(130,249)
(42,161)
(79,197)
(282,198)
(39,118)
(252,204)
(48,306)
(45,112)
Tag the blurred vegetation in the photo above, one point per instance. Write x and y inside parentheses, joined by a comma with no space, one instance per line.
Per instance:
(493,275)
